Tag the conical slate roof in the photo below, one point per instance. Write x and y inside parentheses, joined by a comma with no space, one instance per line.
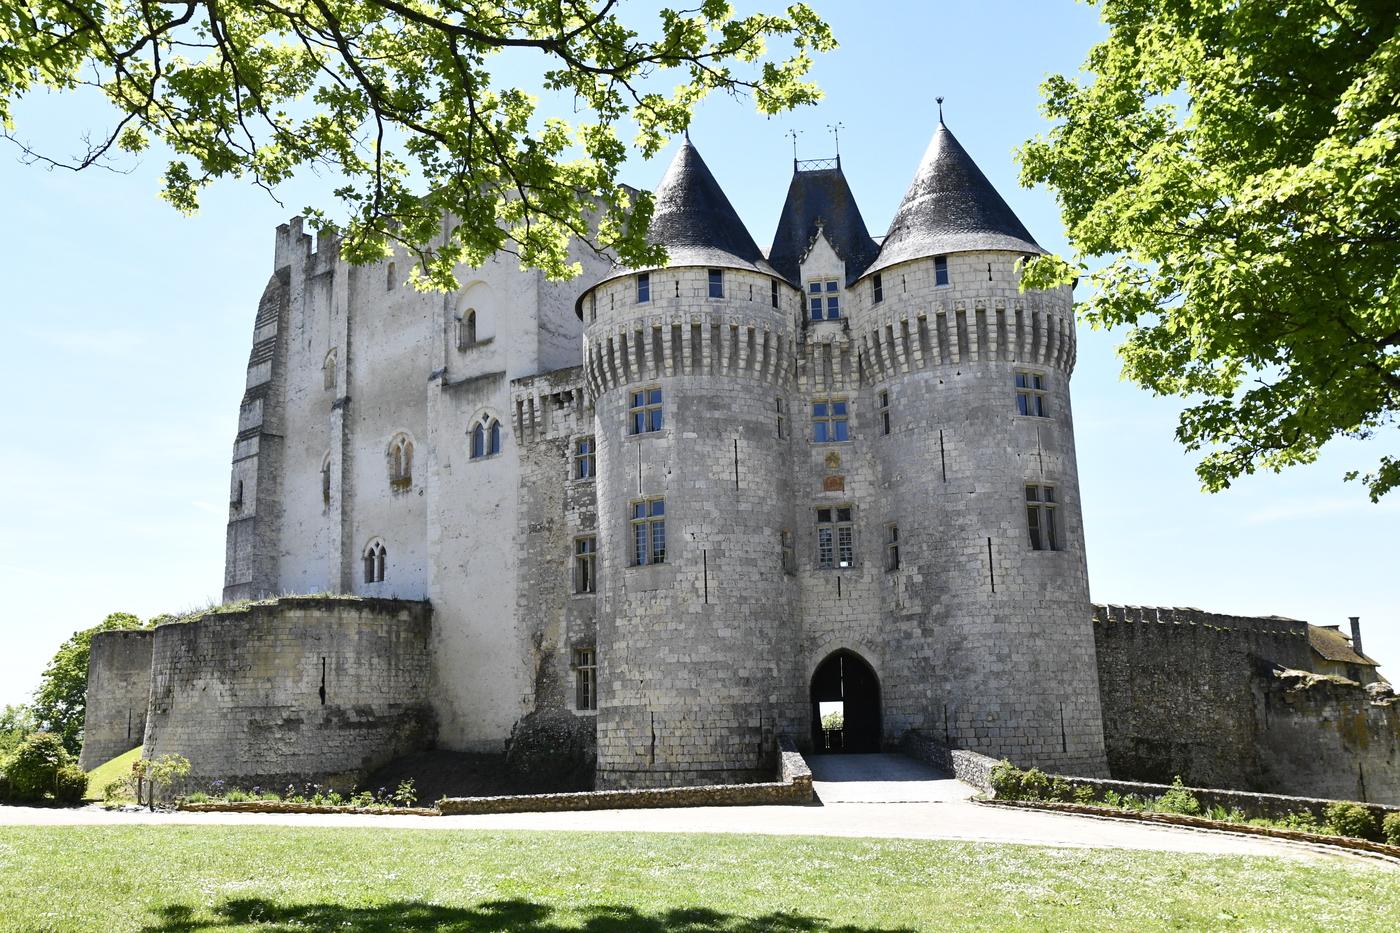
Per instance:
(951,207)
(821,197)
(694,220)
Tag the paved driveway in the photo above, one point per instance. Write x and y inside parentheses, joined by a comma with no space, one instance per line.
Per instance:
(860,795)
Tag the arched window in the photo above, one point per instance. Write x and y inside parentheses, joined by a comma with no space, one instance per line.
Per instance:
(485,438)
(400,462)
(376,557)
(466,329)
(326,479)
(328,370)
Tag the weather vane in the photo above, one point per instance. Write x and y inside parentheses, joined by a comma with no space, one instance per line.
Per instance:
(835,130)
(940,108)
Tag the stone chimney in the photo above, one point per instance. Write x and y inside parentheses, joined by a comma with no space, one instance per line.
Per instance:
(1356,634)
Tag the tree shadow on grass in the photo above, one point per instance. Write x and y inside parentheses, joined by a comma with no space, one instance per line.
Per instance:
(517,916)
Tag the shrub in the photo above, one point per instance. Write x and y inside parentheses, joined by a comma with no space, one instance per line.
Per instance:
(1301,820)
(1112,798)
(70,784)
(406,795)
(1390,828)
(198,796)
(1084,794)
(1178,800)
(1351,819)
(33,768)
(118,790)
(238,795)
(1006,781)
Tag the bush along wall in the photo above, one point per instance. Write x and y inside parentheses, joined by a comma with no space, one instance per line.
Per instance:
(41,770)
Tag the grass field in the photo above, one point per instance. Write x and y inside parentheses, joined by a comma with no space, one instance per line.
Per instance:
(109,771)
(274,879)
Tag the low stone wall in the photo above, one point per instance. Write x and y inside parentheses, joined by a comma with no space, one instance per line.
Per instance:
(294,690)
(969,767)
(118,692)
(794,786)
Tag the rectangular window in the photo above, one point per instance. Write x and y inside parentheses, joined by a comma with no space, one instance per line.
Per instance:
(1040,517)
(645,411)
(643,287)
(716,283)
(877,289)
(585,448)
(940,270)
(835,537)
(1030,395)
(585,678)
(829,420)
(774,283)
(789,552)
(884,411)
(824,299)
(782,419)
(592,307)
(648,532)
(586,564)
(892,547)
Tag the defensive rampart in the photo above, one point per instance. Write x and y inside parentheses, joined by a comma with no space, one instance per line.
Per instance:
(118,689)
(298,689)
(1225,701)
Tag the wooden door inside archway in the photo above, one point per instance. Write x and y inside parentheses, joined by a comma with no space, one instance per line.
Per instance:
(845,684)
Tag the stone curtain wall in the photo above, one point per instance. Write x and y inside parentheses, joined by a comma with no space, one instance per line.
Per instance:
(320,689)
(1221,701)
(118,690)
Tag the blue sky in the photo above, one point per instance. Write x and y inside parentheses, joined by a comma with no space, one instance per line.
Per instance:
(127,330)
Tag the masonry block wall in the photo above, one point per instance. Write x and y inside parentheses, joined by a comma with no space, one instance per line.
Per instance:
(1225,701)
(118,692)
(301,689)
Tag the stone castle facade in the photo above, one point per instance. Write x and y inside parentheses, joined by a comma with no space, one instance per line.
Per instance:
(657,517)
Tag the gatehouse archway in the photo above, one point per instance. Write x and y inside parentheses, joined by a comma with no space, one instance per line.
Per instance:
(845,685)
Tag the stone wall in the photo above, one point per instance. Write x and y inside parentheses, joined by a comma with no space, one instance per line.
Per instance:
(1219,701)
(320,689)
(118,690)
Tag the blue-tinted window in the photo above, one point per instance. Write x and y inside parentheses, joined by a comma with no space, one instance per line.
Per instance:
(716,283)
(645,411)
(940,270)
(643,287)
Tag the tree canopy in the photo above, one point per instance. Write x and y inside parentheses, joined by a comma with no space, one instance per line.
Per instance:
(1235,166)
(61,700)
(395,97)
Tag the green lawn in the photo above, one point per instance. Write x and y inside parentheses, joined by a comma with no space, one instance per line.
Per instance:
(109,771)
(272,879)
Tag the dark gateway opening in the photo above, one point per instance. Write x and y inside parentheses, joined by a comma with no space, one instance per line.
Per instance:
(845,705)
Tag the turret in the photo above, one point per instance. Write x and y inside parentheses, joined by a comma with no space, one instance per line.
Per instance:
(968,415)
(690,366)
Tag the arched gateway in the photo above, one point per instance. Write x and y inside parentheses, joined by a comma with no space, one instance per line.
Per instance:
(845,683)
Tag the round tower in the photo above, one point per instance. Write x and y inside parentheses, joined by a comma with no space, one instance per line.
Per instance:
(972,439)
(690,368)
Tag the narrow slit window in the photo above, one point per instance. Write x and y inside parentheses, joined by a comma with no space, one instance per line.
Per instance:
(892,547)
(643,288)
(774,285)
(940,270)
(877,289)
(782,418)
(1040,517)
(585,679)
(884,411)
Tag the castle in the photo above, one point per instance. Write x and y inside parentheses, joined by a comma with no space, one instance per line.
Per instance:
(655,518)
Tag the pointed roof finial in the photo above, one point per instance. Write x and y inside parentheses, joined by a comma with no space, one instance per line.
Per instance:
(940,109)
(686,131)
(793,133)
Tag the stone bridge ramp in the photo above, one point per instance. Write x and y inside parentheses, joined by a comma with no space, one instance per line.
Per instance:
(882,778)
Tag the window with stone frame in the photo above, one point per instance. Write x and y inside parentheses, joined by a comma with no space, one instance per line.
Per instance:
(830,420)
(782,417)
(648,532)
(877,289)
(585,679)
(328,370)
(585,457)
(644,411)
(466,330)
(774,287)
(400,456)
(1030,394)
(1041,520)
(892,546)
(835,537)
(643,287)
(586,564)
(485,438)
(716,280)
(326,479)
(376,559)
(824,299)
(883,398)
(789,552)
(940,270)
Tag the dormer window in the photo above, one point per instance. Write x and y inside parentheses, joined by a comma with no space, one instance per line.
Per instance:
(940,270)
(716,283)
(824,299)
(643,288)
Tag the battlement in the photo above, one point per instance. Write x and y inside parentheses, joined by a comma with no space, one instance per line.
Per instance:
(549,404)
(687,344)
(295,246)
(1189,616)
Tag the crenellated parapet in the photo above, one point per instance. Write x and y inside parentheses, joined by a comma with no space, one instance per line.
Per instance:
(550,405)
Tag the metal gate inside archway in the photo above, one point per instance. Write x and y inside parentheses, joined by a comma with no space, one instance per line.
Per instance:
(845,705)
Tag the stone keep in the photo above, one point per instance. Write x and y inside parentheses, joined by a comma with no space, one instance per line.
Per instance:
(465,448)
